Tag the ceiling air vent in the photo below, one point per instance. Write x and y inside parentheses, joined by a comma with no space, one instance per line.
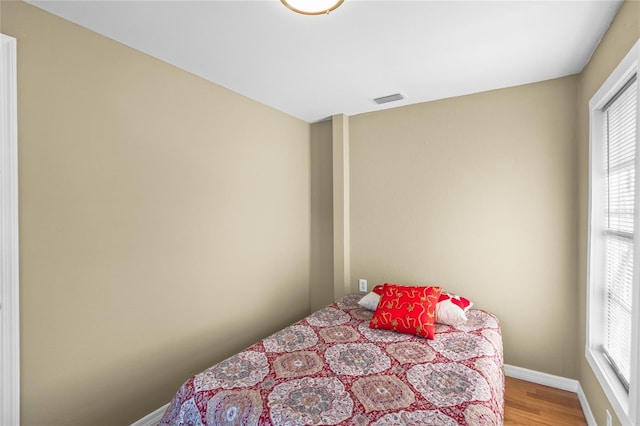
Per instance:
(389,98)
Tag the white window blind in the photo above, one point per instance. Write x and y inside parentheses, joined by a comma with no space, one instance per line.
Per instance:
(620,148)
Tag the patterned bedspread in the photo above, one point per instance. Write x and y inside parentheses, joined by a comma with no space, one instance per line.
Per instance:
(331,368)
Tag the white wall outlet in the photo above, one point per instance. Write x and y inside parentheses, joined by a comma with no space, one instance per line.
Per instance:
(609,421)
(362,285)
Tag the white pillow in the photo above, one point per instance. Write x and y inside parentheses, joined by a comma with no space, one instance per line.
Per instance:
(370,301)
(451,309)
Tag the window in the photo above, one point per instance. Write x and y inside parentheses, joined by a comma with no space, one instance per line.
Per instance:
(613,320)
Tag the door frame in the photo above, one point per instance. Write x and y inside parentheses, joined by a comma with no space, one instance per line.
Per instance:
(9,264)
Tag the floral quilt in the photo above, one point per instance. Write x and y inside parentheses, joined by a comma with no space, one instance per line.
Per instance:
(332,369)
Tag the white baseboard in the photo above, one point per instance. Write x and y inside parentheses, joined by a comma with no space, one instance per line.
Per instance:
(532,376)
(588,414)
(541,378)
(152,419)
(557,382)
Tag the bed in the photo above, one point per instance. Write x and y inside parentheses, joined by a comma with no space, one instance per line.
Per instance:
(331,368)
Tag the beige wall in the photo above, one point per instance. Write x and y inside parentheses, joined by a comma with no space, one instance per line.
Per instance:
(321,284)
(162,218)
(477,194)
(621,36)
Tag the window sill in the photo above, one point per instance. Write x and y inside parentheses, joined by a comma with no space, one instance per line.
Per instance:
(615,392)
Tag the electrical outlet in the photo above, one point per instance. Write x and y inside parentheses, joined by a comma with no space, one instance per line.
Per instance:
(609,422)
(362,285)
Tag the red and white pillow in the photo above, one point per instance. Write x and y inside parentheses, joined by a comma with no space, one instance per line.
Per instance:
(371,299)
(451,309)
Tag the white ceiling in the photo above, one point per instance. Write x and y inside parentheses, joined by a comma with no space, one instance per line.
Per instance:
(315,66)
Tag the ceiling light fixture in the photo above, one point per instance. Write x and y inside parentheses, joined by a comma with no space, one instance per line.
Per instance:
(312,7)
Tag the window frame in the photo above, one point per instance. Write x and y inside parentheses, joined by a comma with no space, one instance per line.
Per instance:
(625,404)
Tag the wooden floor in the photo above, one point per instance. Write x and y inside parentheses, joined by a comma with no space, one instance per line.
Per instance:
(527,403)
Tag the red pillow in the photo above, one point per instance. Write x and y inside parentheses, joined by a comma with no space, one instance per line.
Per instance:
(407,309)
(378,290)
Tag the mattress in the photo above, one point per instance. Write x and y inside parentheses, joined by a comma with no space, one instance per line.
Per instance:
(332,369)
